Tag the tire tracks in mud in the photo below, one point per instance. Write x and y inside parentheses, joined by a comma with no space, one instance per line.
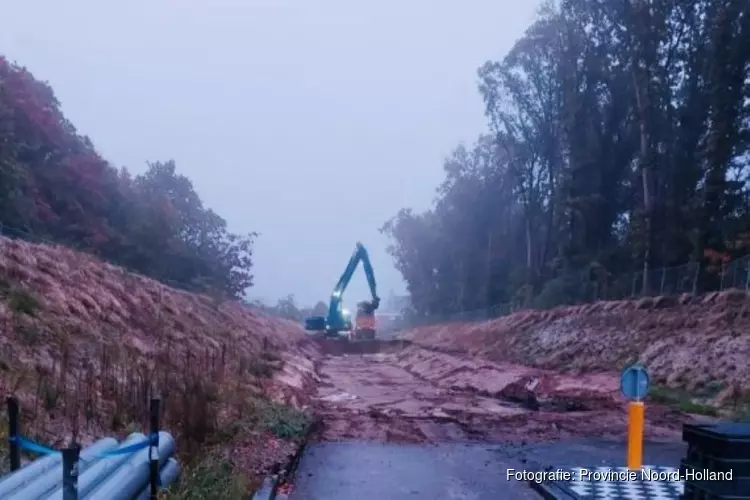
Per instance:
(413,395)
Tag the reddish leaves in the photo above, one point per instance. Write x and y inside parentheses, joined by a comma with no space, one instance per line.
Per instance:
(155,224)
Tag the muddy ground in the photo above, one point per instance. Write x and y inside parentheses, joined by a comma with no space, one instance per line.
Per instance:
(401,393)
(696,344)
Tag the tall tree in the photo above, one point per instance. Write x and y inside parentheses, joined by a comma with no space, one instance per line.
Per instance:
(54,186)
(618,143)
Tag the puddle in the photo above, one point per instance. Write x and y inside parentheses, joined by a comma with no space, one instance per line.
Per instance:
(338,397)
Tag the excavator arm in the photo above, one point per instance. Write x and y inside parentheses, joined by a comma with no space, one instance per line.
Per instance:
(337,321)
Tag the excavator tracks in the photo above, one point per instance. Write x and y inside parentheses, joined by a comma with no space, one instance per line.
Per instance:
(339,346)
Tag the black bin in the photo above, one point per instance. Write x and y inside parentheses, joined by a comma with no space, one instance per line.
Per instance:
(722,449)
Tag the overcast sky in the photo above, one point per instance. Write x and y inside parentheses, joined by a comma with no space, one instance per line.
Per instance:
(311,122)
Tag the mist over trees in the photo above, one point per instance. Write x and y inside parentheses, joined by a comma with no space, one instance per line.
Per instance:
(54,187)
(288,308)
(617,143)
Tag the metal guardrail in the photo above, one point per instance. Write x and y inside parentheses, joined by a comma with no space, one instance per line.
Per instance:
(136,468)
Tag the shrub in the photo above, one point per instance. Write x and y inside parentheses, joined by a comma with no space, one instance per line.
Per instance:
(210,479)
(284,422)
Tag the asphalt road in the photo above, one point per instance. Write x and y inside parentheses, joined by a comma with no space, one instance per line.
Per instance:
(451,471)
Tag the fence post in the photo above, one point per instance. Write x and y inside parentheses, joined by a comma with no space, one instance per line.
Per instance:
(13,432)
(153,449)
(695,277)
(663,279)
(70,471)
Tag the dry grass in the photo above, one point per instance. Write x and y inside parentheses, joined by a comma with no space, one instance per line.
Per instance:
(84,345)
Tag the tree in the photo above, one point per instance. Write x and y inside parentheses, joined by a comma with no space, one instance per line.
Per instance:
(54,186)
(618,142)
(320,309)
(287,308)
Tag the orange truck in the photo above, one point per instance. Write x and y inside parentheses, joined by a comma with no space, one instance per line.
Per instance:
(364,322)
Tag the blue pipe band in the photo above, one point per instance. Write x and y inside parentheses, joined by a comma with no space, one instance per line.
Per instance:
(29,445)
(35,447)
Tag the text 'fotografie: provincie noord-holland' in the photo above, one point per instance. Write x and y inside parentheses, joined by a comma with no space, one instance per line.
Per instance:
(618,475)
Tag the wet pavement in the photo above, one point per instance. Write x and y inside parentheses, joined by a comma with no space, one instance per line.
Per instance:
(451,471)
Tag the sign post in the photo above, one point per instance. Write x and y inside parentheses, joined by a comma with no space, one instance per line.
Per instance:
(634,385)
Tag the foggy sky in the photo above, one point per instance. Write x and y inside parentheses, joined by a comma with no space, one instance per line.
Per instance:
(311,122)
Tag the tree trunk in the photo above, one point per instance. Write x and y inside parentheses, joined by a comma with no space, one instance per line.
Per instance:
(488,273)
(529,253)
(645,159)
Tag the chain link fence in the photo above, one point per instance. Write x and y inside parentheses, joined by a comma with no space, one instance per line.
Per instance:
(667,281)
(130,276)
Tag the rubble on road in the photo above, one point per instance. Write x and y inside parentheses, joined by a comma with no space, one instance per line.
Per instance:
(417,395)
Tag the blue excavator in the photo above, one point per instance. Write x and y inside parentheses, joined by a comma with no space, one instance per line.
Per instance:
(338,321)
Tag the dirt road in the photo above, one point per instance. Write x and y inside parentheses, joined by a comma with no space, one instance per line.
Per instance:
(424,424)
(407,394)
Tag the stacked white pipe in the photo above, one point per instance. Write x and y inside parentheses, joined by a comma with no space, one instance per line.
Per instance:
(115,477)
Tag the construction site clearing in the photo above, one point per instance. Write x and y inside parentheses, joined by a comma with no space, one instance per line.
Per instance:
(81,334)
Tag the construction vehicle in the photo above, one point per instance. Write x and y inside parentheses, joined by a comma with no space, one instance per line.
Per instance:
(338,321)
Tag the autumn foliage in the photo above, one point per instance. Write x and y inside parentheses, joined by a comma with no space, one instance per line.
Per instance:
(54,186)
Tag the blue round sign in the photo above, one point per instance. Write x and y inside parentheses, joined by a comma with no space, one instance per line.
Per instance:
(634,382)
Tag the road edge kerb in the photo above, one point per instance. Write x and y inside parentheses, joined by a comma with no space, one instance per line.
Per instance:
(271,482)
(551,491)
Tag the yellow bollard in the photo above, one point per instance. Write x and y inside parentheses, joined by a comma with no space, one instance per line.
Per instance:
(635,434)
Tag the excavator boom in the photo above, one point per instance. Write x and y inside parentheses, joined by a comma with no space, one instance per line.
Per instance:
(336,320)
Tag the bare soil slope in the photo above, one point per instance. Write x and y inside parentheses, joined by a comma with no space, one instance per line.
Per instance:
(85,343)
(697,344)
